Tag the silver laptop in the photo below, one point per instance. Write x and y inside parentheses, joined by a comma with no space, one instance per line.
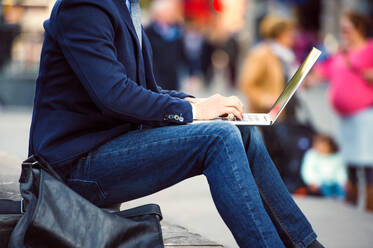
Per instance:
(294,83)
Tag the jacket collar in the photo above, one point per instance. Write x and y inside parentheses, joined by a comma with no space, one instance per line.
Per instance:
(122,7)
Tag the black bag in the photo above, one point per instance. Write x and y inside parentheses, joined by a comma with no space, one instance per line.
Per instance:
(56,216)
(10,213)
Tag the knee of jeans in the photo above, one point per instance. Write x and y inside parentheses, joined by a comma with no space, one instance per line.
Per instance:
(251,132)
(221,134)
(255,134)
(227,131)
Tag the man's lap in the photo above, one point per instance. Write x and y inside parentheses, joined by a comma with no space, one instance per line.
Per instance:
(145,161)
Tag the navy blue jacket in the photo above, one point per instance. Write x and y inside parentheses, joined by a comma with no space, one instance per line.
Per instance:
(95,82)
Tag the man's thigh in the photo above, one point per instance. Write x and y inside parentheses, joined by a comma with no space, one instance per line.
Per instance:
(143,162)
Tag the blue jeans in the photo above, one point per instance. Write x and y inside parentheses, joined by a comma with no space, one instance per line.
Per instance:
(245,184)
(332,190)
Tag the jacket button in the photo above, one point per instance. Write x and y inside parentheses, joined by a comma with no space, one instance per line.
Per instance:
(181,119)
(176,117)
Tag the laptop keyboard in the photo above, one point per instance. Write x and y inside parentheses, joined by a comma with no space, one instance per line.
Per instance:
(250,118)
(254,118)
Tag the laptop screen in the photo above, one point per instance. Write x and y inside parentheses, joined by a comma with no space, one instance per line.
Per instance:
(294,83)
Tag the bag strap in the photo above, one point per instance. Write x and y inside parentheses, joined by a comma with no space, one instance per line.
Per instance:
(36,161)
(10,207)
(149,209)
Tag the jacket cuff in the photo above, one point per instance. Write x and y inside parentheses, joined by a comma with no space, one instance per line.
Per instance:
(180,114)
(182,95)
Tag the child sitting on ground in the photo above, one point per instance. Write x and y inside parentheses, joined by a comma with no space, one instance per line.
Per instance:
(323,170)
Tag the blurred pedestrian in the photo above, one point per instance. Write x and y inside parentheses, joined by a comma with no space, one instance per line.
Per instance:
(323,170)
(351,94)
(264,74)
(197,48)
(166,38)
(198,52)
(269,65)
(225,56)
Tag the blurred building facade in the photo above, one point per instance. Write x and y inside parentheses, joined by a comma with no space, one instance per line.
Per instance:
(29,15)
(329,12)
(21,27)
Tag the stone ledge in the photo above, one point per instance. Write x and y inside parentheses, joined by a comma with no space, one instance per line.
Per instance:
(10,170)
(175,236)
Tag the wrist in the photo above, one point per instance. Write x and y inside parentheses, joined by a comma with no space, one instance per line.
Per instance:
(194,111)
(191,100)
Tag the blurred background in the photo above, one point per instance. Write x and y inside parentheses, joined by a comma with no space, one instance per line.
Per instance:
(322,145)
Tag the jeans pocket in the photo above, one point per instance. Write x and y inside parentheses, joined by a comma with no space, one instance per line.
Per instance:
(90,190)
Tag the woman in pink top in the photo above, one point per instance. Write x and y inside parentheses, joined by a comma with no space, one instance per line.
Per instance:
(350,73)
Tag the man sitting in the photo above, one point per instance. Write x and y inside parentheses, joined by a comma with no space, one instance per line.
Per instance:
(103,123)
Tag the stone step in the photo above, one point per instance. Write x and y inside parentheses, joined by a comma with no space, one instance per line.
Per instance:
(10,170)
(176,236)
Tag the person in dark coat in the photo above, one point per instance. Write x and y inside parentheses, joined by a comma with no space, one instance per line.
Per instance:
(166,35)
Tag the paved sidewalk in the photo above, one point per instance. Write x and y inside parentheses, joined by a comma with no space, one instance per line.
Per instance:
(189,204)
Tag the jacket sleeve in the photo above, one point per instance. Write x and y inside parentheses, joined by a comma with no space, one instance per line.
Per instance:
(174,93)
(86,36)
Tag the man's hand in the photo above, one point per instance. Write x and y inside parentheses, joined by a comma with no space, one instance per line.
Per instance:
(216,106)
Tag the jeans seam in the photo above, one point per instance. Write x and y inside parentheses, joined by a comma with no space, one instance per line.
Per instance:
(249,208)
(85,170)
(277,218)
(299,244)
(311,235)
(101,192)
(152,143)
(293,241)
